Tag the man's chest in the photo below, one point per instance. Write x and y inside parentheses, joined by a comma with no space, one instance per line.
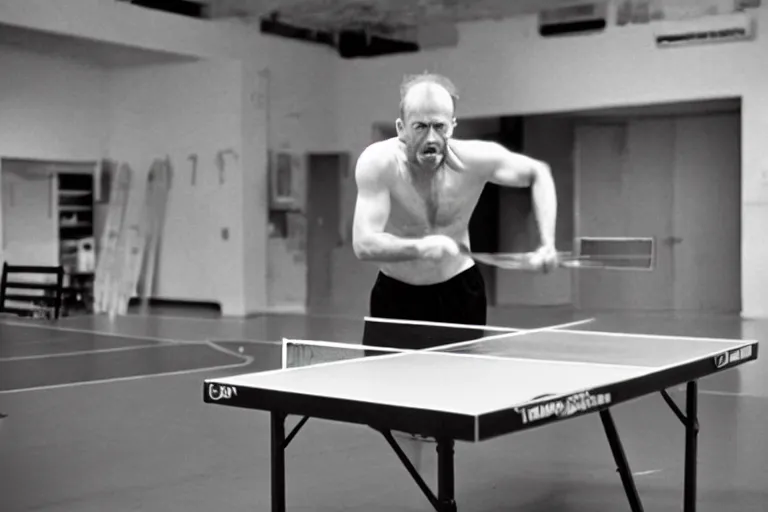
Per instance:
(437,201)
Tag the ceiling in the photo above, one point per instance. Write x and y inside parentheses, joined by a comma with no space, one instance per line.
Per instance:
(99,53)
(393,17)
(399,22)
(678,108)
(379,16)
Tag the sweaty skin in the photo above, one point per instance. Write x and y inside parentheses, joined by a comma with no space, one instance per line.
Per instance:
(417,192)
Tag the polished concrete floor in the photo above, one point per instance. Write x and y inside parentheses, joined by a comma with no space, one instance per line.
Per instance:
(108,415)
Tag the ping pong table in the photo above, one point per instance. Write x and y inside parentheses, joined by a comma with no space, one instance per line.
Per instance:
(476,390)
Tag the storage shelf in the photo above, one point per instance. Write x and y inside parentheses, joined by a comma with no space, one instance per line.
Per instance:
(75,217)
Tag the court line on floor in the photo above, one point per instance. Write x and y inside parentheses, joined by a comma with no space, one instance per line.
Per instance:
(251,318)
(131,317)
(123,379)
(128,336)
(89,352)
(167,341)
(247,360)
(78,330)
(94,332)
(27,343)
(234,320)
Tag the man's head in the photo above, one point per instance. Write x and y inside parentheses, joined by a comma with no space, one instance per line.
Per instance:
(427,117)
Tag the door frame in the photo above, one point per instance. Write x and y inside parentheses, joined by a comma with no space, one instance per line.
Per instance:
(577,190)
(622,121)
(342,172)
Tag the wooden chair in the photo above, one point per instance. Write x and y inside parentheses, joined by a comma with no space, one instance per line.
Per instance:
(46,304)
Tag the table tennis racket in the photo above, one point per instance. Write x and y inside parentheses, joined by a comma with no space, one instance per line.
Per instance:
(509,260)
(524,260)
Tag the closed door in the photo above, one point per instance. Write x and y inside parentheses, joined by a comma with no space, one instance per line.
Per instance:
(624,187)
(677,180)
(708,213)
(323,204)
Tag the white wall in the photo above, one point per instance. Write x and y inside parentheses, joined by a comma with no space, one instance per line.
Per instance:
(50,109)
(219,102)
(125,24)
(205,107)
(302,119)
(503,68)
(181,110)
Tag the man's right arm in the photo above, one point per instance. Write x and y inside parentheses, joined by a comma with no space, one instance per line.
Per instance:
(372,209)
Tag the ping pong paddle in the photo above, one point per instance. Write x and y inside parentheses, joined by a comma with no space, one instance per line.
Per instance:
(509,260)
(524,260)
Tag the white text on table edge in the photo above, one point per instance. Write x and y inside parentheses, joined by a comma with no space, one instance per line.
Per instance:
(218,392)
(733,356)
(564,407)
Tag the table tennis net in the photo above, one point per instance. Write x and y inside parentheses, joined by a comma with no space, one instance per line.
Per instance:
(301,353)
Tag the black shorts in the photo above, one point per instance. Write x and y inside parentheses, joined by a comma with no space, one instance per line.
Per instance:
(460,300)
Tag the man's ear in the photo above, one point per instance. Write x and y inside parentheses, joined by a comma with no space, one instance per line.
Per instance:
(400,127)
(452,127)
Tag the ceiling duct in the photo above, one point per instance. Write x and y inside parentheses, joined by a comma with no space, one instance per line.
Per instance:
(705,30)
(585,18)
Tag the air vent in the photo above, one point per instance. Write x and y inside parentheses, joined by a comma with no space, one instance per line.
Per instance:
(193,9)
(573,19)
(705,30)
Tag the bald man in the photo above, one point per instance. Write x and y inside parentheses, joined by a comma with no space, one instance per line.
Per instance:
(416,194)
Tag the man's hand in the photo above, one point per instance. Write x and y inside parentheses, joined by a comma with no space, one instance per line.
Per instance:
(436,247)
(545,258)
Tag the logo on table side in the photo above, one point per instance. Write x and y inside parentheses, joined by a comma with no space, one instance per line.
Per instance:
(218,392)
(732,357)
(562,408)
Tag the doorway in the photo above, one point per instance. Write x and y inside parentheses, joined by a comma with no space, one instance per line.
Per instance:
(323,214)
(675,179)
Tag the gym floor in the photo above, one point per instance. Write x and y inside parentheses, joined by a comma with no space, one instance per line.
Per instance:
(108,416)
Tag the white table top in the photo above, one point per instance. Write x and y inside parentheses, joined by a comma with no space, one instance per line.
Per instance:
(493,375)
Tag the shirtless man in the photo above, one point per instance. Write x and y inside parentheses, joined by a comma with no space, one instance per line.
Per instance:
(416,194)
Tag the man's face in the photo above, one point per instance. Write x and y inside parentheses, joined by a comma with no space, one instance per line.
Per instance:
(425,130)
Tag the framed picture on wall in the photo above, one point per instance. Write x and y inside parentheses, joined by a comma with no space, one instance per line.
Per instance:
(281,181)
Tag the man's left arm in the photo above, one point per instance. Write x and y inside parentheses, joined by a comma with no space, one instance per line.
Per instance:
(510,169)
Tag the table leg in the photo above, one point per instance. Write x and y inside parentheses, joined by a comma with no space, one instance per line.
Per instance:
(278,462)
(621,461)
(691,444)
(445,476)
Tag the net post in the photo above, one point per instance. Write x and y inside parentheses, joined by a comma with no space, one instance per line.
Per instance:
(284,353)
